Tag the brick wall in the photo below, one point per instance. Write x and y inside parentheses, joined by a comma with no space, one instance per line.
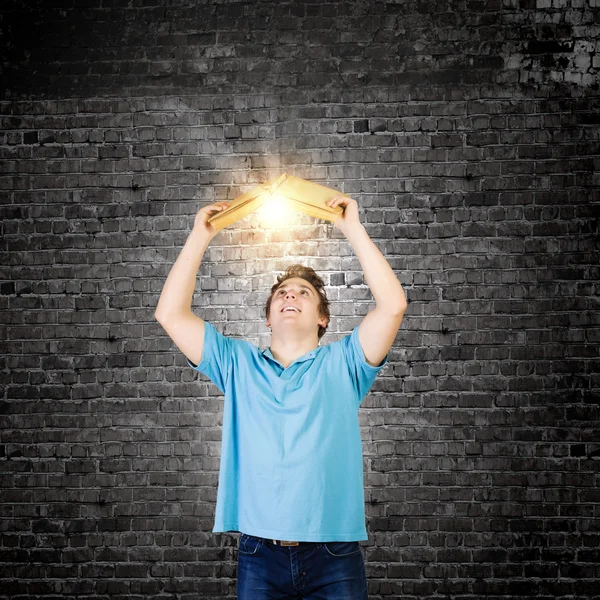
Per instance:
(469,134)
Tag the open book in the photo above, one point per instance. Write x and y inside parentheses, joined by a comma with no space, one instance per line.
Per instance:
(301,195)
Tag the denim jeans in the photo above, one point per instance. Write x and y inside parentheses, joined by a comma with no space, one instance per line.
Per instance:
(310,571)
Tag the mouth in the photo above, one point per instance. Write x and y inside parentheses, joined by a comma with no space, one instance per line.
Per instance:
(290,309)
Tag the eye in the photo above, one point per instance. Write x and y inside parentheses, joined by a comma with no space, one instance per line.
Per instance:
(304,292)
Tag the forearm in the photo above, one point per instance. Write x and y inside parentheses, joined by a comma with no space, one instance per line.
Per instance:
(380,277)
(178,291)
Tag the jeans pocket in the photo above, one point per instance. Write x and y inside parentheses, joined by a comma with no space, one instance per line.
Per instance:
(249,544)
(342,548)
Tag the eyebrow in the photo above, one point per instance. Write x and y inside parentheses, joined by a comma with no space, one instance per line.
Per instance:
(282,287)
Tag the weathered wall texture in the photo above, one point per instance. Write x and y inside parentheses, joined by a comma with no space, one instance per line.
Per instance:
(469,134)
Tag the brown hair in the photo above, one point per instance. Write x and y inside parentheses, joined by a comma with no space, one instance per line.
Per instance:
(311,276)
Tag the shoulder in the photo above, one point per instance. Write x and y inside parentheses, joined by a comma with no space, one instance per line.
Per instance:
(337,344)
(227,342)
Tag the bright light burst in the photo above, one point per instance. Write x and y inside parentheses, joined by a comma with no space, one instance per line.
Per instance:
(276,212)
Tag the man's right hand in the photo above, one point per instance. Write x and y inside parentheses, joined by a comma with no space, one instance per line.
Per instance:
(201,222)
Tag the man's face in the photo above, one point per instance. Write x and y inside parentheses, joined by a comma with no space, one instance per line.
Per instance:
(295,306)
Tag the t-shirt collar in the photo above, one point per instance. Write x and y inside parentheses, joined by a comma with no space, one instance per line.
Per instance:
(307,356)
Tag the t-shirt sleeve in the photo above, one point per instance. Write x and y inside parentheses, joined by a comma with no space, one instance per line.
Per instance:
(217,356)
(361,372)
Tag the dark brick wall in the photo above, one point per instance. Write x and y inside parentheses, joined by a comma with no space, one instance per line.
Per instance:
(469,134)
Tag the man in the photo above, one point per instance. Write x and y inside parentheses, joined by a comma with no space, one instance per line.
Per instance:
(291,477)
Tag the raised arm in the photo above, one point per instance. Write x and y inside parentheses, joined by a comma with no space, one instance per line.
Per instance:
(378,329)
(174,308)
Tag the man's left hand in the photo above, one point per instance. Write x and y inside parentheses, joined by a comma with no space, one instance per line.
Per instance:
(349,218)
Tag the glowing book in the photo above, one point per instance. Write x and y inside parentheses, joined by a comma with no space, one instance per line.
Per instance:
(304,196)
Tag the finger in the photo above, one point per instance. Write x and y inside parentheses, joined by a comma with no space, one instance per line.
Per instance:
(213,209)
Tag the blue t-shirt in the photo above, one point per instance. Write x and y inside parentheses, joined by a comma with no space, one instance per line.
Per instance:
(291,451)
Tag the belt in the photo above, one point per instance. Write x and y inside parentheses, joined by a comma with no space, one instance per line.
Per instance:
(285,543)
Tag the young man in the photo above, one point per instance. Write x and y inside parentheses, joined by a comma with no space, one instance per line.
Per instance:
(291,475)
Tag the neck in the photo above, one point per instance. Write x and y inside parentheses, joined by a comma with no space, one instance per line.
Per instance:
(287,350)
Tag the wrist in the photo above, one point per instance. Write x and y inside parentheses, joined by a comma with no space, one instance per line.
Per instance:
(354,230)
(200,236)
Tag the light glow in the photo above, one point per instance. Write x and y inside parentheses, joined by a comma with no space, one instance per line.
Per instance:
(276,212)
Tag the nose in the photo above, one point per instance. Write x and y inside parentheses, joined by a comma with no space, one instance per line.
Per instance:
(288,293)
